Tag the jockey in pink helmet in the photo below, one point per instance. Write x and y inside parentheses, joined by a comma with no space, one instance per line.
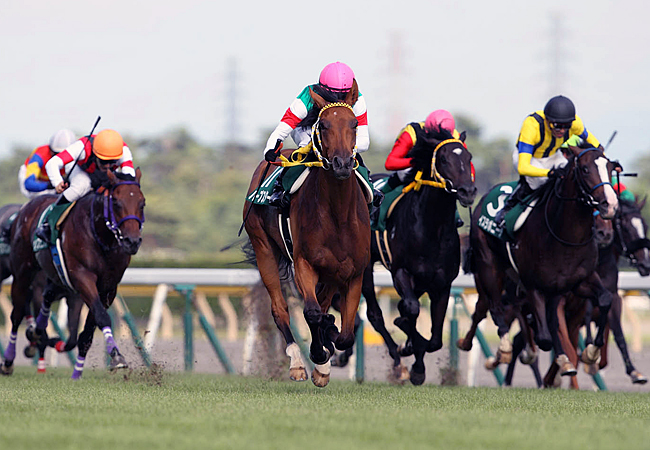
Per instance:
(334,83)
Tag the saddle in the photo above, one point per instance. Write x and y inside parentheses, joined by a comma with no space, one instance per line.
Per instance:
(514,219)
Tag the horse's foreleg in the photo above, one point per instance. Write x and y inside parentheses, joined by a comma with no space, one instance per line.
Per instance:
(542,335)
(74,315)
(566,355)
(349,307)
(480,313)
(439,302)
(619,337)
(85,342)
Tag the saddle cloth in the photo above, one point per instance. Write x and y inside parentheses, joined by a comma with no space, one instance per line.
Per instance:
(494,201)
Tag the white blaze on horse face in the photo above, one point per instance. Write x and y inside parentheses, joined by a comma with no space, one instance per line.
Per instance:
(637,223)
(610,195)
(458,151)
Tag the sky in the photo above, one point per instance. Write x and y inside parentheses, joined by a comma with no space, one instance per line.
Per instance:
(148,66)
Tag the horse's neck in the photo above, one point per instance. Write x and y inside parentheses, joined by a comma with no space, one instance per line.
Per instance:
(338,196)
(433,206)
(569,217)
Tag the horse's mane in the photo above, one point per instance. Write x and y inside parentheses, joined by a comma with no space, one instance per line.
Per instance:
(422,151)
(328,96)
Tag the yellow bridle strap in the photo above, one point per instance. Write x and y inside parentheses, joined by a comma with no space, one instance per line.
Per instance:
(332,105)
(419,182)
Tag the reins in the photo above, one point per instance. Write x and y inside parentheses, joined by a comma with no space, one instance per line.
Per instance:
(437,180)
(315,146)
(637,244)
(109,216)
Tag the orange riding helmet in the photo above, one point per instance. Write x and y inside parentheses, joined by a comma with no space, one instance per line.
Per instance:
(108,145)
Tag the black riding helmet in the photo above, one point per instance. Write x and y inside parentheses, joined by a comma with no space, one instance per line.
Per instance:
(560,109)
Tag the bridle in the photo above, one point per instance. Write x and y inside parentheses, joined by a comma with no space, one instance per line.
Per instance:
(316,140)
(109,216)
(584,196)
(436,179)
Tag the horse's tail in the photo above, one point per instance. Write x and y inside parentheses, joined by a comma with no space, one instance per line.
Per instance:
(285,266)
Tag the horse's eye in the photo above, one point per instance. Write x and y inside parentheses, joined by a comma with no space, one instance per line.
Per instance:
(585,169)
(443,160)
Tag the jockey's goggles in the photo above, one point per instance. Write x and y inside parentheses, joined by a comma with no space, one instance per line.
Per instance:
(561,125)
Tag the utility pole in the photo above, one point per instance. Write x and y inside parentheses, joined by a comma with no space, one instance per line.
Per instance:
(397,81)
(232,95)
(557,55)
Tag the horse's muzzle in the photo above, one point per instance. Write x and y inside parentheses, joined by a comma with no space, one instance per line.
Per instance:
(466,195)
(132,245)
(342,168)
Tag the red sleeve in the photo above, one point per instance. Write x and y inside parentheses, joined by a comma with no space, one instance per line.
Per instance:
(397,159)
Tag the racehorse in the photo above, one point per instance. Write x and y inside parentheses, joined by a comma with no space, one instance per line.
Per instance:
(330,229)
(423,240)
(24,308)
(98,238)
(630,241)
(553,253)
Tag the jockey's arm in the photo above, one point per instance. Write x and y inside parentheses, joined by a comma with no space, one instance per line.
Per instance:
(578,129)
(125,163)
(292,117)
(34,168)
(363,137)
(397,159)
(524,167)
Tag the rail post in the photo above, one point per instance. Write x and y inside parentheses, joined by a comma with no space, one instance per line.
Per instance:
(453,329)
(361,351)
(187,291)
(124,311)
(221,354)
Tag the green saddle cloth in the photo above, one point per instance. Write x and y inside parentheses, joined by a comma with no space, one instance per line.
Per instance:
(52,214)
(390,197)
(494,201)
(291,176)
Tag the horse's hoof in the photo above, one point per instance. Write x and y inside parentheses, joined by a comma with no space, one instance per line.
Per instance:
(405,349)
(557,381)
(566,368)
(7,369)
(398,374)
(591,369)
(340,360)
(417,378)
(491,363)
(319,379)
(638,378)
(504,357)
(590,355)
(118,362)
(460,343)
(298,374)
(30,351)
(527,357)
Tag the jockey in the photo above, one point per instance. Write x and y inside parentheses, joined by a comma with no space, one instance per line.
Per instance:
(438,120)
(542,133)
(32,178)
(86,161)
(334,83)
(624,193)
(435,122)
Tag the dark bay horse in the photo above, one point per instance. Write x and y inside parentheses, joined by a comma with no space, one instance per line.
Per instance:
(98,238)
(330,228)
(425,247)
(554,252)
(630,241)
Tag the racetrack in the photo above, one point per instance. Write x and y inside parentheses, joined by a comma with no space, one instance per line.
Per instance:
(145,409)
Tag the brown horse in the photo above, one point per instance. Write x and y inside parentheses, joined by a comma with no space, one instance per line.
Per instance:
(98,238)
(330,228)
(554,252)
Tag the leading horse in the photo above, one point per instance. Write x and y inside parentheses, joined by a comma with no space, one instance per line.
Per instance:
(330,228)
(553,253)
(425,247)
(98,238)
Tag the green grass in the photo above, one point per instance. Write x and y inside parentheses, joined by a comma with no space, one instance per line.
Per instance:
(176,411)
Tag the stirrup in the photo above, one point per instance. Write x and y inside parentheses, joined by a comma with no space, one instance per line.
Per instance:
(44,232)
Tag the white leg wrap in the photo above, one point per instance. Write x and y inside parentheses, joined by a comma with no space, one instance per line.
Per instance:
(505,345)
(293,352)
(324,369)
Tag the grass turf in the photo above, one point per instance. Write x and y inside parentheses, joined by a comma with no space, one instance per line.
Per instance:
(152,409)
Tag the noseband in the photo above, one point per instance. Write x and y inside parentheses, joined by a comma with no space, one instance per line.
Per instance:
(109,216)
(585,191)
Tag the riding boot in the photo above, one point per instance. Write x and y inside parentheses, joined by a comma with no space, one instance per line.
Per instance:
(521,191)
(44,232)
(279,198)
(393,181)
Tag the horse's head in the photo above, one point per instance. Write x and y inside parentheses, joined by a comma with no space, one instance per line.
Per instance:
(593,174)
(632,230)
(443,158)
(124,211)
(603,231)
(335,133)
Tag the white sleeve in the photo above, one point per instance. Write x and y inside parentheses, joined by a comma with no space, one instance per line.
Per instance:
(127,157)
(281,132)
(363,139)
(53,168)
(56,163)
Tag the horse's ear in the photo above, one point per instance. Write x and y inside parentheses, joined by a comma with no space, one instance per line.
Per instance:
(353,94)
(112,178)
(640,203)
(570,151)
(138,174)
(318,100)
(463,136)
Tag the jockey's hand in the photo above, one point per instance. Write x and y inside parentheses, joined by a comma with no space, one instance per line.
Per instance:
(552,173)
(62,186)
(271,155)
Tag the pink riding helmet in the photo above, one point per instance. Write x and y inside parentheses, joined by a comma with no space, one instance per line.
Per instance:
(337,76)
(440,119)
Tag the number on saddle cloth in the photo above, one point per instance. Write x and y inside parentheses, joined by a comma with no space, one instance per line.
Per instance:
(494,202)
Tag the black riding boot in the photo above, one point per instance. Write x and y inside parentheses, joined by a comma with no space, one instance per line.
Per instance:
(279,198)
(521,191)
(44,232)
